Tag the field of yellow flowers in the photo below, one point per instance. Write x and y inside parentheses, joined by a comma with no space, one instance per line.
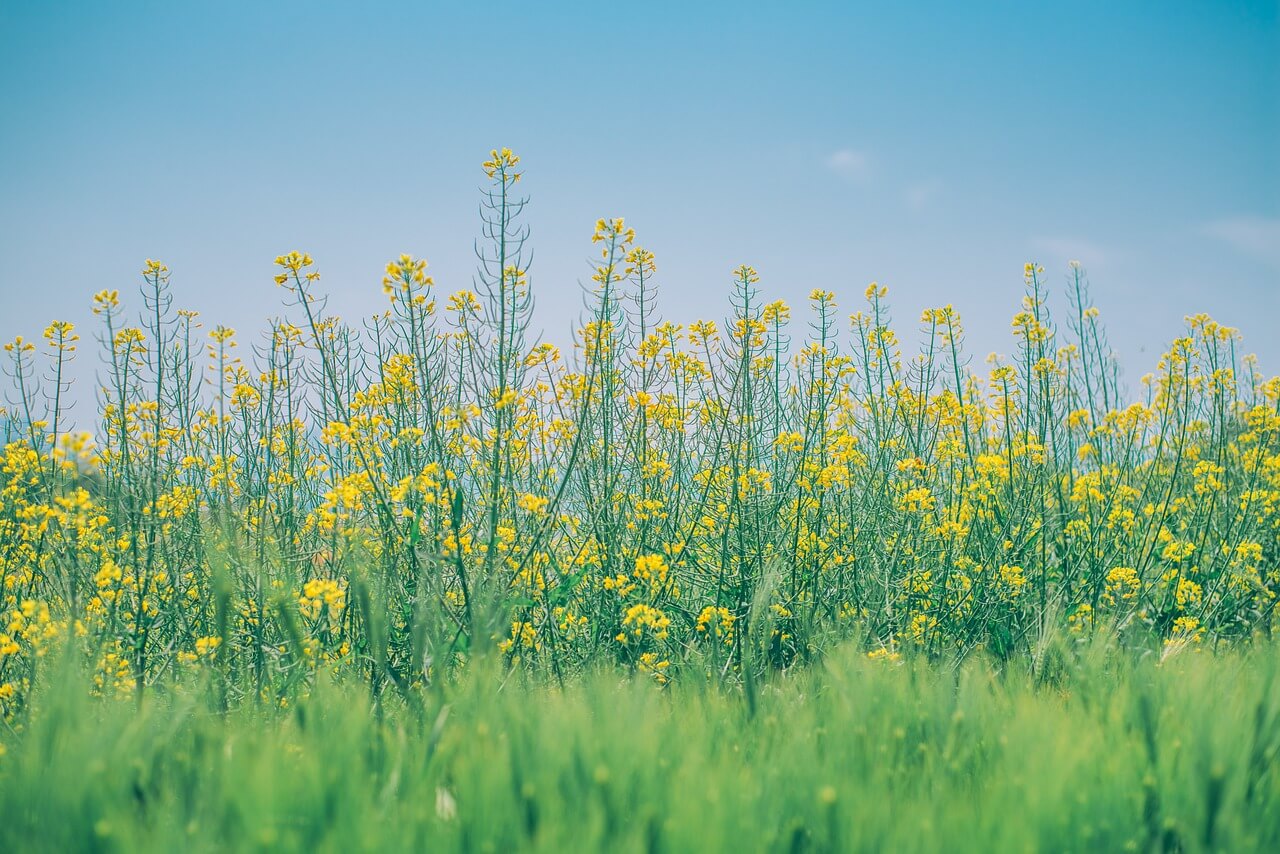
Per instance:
(432,506)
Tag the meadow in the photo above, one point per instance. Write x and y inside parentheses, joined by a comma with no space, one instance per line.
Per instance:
(1110,753)
(767,581)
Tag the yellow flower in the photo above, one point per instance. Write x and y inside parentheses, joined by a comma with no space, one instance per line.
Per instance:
(501,164)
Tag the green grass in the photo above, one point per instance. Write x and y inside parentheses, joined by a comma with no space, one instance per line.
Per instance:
(1101,751)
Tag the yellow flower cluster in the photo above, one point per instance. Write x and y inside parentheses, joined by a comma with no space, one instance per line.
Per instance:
(654,493)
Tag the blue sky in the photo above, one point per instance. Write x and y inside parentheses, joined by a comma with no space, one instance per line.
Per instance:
(931,147)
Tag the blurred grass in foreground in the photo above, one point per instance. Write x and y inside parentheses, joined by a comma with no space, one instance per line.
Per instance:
(1103,750)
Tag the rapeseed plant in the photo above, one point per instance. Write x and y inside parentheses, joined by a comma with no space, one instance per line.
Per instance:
(396,498)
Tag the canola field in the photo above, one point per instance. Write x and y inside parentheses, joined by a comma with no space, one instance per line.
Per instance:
(779,579)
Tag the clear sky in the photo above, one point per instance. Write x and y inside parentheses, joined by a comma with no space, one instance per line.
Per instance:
(931,147)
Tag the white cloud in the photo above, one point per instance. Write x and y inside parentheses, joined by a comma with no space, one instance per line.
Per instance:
(1063,249)
(920,196)
(849,164)
(1255,236)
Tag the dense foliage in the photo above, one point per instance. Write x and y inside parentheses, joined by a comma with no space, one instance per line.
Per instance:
(1099,751)
(392,499)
